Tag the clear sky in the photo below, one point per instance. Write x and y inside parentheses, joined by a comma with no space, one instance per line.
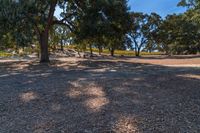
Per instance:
(162,7)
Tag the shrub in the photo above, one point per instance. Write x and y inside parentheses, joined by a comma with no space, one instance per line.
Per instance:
(5,54)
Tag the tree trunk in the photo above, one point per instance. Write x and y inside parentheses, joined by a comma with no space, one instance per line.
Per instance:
(61,45)
(137,52)
(100,49)
(112,51)
(91,52)
(44,53)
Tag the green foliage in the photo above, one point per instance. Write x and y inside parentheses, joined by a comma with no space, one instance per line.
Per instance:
(193,6)
(28,19)
(143,31)
(189,3)
(177,35)
(103,23)
(5,54)
(100,25)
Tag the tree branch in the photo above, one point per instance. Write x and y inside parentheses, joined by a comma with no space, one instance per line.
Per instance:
(51,13)
(62,23)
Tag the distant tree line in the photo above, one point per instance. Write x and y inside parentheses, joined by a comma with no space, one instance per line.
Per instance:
(101,24)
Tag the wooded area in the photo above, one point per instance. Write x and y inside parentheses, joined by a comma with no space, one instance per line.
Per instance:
(102,24)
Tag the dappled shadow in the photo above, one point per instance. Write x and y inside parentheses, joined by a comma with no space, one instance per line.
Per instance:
(98,96)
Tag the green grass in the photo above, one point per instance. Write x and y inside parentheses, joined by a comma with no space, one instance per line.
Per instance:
(125,52)
(5,54)
(117,52)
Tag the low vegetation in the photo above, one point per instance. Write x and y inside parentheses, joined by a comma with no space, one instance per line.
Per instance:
(124,52)
(5,54)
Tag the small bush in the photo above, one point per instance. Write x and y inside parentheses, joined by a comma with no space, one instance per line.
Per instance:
(5,54)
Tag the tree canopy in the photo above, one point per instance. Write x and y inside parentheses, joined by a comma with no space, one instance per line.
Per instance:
(101,24)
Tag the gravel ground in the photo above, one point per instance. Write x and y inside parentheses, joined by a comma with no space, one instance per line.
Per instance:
(117,95)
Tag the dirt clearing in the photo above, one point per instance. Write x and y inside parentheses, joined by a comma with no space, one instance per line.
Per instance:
(156,94)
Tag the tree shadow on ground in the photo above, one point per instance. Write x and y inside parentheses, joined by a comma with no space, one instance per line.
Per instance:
(98,96)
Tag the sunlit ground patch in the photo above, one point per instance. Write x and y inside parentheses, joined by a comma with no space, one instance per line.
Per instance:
(95,104)
(28,96)
(94,98)
(98,70)
(98,98)
(126,124)
(75,84)
(96,91)
(74,94)
(193,76)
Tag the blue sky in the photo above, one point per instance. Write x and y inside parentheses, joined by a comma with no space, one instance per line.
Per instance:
(162,7)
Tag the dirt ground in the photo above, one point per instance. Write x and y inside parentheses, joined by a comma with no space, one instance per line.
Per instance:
(101,95)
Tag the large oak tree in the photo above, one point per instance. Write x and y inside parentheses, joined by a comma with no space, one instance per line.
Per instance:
(39,15)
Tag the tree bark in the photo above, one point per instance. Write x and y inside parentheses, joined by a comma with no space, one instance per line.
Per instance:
(100,50)
(91,52)
(137,52)
(61,45)
(44,53)
(44,35)
(112,51)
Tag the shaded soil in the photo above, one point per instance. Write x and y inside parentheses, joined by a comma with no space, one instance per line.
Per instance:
(110,95)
